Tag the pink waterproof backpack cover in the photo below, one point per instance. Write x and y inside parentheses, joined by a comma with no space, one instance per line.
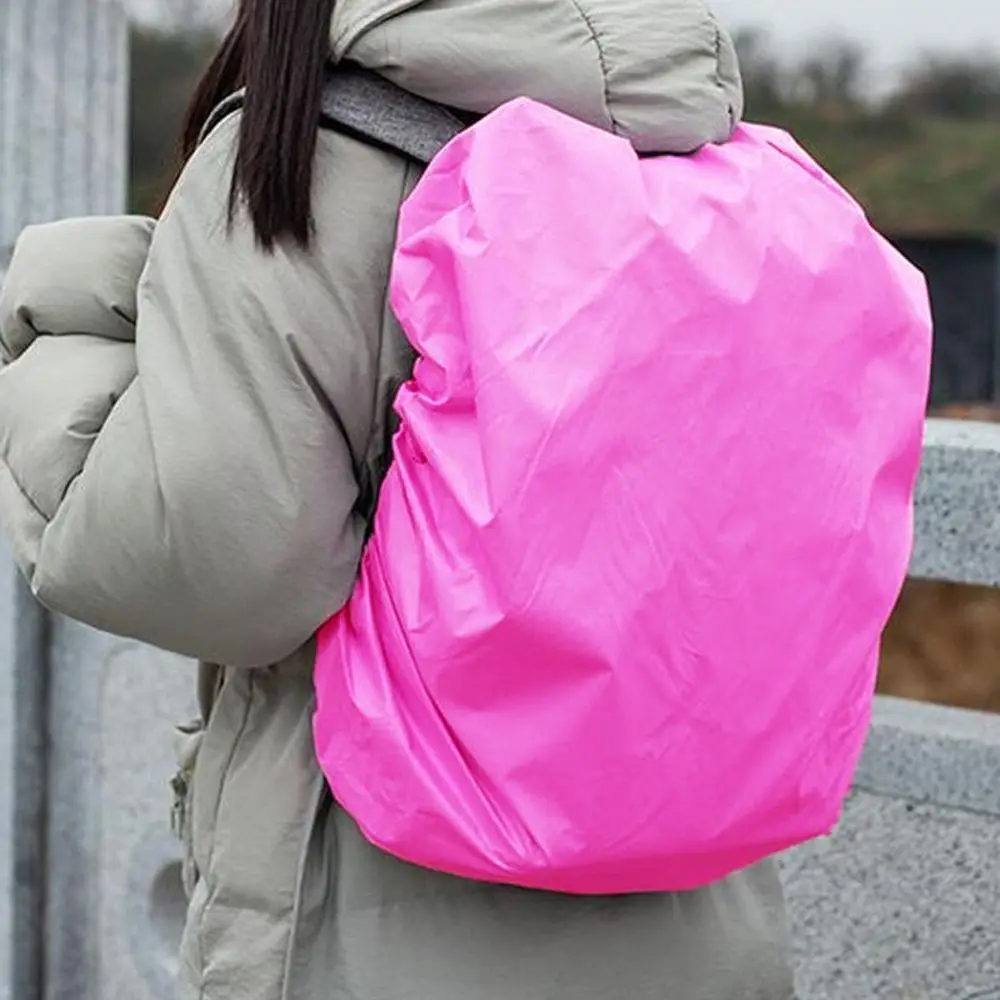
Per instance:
(650,508)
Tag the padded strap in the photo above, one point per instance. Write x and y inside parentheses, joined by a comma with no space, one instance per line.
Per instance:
(366,105)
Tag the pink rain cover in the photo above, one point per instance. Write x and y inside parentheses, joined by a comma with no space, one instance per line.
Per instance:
(650,508)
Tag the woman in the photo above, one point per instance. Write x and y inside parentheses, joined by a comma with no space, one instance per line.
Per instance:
(194,426)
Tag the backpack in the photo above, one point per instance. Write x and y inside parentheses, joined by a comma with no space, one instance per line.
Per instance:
(650,504)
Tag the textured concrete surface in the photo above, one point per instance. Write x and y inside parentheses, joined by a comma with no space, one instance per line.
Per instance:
(958,510)
(8,766)
(115,899)
(23,686)
(903,903)
(927,753)
(140,908)
(86,757)
(63,118)
(63,110)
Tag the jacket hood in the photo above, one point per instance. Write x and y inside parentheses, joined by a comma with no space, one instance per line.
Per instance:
(661,73)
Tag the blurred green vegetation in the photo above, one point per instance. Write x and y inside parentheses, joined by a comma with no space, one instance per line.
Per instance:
(922,157)
(913,173)
(166,65)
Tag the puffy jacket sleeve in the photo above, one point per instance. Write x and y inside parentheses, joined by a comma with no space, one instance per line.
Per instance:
(208,502)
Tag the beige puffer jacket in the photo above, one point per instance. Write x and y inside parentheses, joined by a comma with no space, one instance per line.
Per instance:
(192,435)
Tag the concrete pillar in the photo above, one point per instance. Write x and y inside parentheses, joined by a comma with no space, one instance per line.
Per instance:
(63,110)
(63,151)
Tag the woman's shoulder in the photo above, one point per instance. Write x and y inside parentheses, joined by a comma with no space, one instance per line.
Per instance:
(316,313)
(358,189)
(347,170)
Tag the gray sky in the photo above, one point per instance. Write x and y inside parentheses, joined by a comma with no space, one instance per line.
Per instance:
(893,30)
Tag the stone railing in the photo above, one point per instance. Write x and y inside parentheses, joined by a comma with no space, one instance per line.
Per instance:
(901,903)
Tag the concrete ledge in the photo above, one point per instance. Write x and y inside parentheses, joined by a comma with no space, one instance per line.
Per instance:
(927,753)
(958,504)
(899,904)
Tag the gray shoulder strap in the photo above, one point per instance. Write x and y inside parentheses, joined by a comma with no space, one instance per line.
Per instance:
(368,106)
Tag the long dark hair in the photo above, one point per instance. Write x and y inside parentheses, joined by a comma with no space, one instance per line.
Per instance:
(277,50)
